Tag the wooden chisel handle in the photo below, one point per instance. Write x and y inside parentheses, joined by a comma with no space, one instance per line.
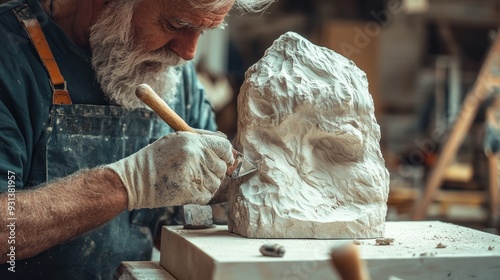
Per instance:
(145,93)
(346,260)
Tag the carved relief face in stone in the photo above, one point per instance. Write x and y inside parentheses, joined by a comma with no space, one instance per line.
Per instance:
(306,117)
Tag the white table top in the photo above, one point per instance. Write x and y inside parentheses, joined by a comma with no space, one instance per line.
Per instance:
(468,253)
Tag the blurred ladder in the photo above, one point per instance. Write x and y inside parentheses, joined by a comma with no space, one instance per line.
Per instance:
(487,80)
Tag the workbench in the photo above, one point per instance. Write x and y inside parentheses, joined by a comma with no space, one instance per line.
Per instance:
(421,250)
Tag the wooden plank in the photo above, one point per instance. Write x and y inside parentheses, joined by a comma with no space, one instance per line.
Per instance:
(462,197)
(142,271)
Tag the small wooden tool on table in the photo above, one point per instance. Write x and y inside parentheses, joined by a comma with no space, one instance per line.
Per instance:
(347,262)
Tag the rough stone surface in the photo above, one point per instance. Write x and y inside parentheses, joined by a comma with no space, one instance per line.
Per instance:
(305,116)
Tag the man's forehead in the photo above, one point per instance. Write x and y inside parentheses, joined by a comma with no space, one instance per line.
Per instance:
(201,17)
(202,4)
(213,7)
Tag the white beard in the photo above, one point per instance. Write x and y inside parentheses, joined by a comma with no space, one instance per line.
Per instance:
(120,68)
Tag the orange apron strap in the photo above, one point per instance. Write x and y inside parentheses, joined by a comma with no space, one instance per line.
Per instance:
(34,30)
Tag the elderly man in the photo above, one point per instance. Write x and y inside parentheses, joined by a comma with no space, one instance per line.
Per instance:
(77,173)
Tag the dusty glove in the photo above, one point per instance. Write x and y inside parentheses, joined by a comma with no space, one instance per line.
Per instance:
(179,168)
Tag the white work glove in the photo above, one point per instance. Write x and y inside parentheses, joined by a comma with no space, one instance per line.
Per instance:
(179,168)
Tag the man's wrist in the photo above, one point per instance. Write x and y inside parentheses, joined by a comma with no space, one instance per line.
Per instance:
(113,180)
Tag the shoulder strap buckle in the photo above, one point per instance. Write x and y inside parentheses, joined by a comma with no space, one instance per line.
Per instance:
(60,94)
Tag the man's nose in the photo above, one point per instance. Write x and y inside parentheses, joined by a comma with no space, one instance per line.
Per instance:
(184,45)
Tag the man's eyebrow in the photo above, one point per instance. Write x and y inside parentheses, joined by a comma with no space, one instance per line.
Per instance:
(187,24)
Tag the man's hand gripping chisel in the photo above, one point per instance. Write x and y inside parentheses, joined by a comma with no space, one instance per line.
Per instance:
(144,92)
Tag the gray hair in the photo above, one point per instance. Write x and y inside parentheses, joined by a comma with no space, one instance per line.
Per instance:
(253,5)
(242,5)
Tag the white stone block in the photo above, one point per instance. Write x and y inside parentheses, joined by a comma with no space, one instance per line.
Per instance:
(421,250)
(305,116)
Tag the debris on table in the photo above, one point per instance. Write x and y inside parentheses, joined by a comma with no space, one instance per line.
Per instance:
(440,245)
(272,250)
(384,241)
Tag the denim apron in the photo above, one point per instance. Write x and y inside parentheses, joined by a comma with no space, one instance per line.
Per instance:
(85,136)
(77,137)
